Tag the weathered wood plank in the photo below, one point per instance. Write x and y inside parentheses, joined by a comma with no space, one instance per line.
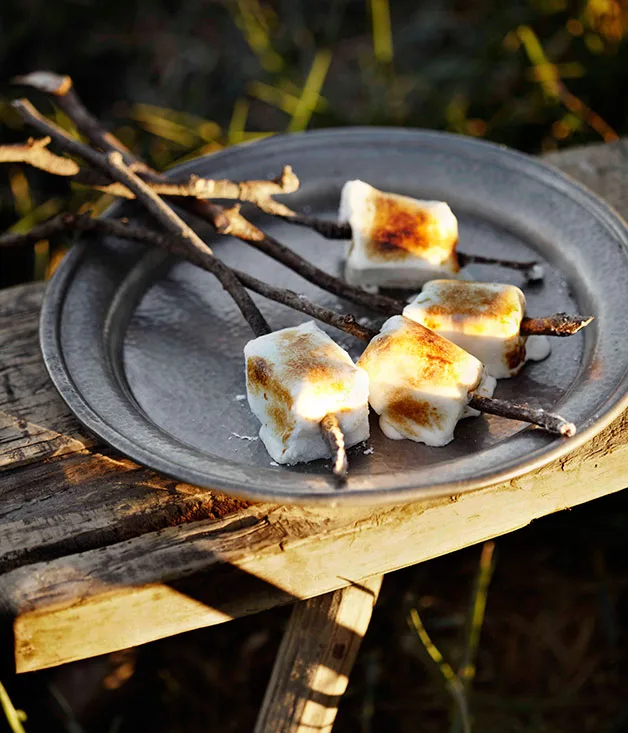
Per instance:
(315,658)
(51,509)
(34,421)
(64,493)
(204,573)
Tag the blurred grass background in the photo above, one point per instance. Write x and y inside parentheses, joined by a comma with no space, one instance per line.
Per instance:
(180,79)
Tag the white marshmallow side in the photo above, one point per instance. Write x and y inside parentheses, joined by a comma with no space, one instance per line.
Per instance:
(295,377)
(389,235)
(420,383)
(537,348)
(482,318)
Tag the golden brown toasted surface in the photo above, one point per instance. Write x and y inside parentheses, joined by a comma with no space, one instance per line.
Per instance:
(307,358)
(516,354)
(465,299)
(261,378)
(409,412)
(397,231)
(434,358)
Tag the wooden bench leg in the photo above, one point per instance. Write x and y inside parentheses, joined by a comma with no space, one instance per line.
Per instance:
(315,658)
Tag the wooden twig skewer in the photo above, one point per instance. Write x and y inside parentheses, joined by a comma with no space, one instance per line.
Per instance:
(335,439)
(558,324)
(113,166)
(225,221)
(61,88)
(342,321)
(325,227)
(241,228)
(342,230)
(532,269)
(549,421)
(114,227)
(259,193)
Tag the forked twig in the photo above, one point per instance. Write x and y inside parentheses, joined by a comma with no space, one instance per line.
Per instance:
(114,166)
(260,193)
(36,153)
(225,221)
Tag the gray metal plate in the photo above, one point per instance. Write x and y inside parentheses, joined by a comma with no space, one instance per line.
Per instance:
(147,352)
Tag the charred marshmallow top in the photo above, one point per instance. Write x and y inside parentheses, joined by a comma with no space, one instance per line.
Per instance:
(296,376)
(482,318)
(420,383)
(397,241)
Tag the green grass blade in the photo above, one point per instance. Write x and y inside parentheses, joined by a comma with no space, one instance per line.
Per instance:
(14,717)
(311,91)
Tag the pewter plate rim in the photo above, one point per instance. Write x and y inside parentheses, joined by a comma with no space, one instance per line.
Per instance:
(208,472)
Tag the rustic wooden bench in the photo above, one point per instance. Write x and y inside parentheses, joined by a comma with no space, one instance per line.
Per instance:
(99,554)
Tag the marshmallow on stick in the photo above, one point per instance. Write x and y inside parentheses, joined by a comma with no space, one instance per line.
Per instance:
(295,377)
(483,319)
(421,383)
(397,241)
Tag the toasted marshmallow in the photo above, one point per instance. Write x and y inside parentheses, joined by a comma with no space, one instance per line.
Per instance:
(397,241)
(483,319)
(296,376)
(421,383)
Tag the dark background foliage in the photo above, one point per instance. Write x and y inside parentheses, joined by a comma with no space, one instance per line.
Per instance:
(176,79)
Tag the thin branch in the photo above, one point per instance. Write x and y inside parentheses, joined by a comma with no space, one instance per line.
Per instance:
(549,421)
(239,227)
(114,167)
(59,223)
(255,192)
(325,227)
(558,324)
(36,153)
(173,223)
(342,321)
(342,230)
(61,88)
(335,439)
(225,221)
(532,269)
(259,193)
(144,235)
